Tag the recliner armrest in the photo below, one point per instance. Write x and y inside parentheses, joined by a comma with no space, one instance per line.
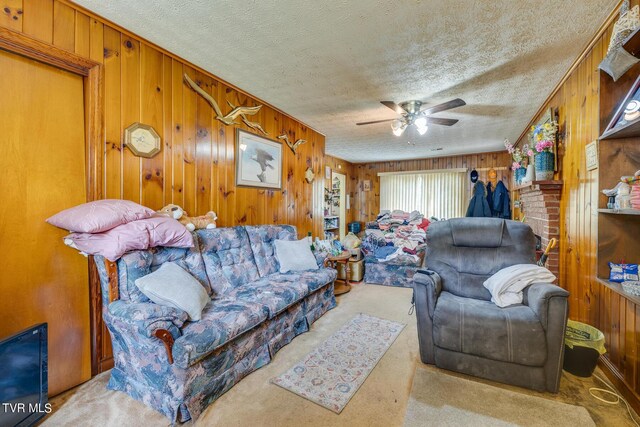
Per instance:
(146,318)
(537,296)
(433,284)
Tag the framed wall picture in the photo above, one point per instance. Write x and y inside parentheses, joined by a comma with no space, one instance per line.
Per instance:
(366,185)
(327,172)
(591,155)
(258,161)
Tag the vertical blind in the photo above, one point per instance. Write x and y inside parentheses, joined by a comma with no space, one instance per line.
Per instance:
(442,193)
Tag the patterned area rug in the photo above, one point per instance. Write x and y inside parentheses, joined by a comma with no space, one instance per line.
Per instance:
(332,373)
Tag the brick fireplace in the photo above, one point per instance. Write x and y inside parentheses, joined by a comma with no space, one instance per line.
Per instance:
(540,204)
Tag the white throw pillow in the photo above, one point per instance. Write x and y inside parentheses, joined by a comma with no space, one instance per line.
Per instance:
(172,286)
(295,255)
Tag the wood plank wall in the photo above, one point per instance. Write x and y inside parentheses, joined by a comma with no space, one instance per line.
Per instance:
(196,167)
(365,205)
(577,101)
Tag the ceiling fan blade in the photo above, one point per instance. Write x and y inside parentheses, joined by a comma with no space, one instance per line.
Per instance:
(445,106)
(395,107)
(441,121)
(376,121)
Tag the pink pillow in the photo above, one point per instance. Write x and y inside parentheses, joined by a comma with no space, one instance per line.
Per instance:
(136,235)
(99,216)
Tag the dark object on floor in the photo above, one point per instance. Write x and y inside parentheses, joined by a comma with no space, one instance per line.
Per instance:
(580,361)
(583,345)
(460,329)
(478,206)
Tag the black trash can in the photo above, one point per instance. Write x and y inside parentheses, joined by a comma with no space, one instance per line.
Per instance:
(583,345)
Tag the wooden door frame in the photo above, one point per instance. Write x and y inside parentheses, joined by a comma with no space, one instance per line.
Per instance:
(93,85)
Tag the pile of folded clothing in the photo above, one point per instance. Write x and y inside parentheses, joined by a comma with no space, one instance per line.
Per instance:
(396,234)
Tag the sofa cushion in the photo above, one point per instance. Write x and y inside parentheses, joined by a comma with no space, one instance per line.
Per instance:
(136,264)
(511,334)
(261,238)
(222,321)
(170,285)
(274,297)
(295,255)
(227,257)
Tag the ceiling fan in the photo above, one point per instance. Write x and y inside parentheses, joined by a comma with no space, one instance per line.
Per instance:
(411,114)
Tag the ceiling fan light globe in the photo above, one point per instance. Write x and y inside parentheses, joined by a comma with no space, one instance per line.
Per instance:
(421,122)
(398,132)
(422,129)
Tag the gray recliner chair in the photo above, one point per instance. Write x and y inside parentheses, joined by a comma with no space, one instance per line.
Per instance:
(460,329)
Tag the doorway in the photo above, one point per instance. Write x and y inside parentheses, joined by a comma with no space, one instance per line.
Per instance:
(339,186)
(42,171)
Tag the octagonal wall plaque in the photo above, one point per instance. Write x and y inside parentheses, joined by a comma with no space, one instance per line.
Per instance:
(142,140)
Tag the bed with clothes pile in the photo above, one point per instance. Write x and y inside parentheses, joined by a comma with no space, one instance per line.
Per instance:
(394,247)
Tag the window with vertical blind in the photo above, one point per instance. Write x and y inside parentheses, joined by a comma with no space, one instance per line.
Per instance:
(439,193)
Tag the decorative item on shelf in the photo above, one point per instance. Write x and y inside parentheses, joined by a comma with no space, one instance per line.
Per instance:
(626,120)
(293,146)
(520,159)
(591,155)
(258,161)
(626,193)
(543,138)
(229,118)
(309,175)
(618,61)
(530,175)
(250,124)
(142,140)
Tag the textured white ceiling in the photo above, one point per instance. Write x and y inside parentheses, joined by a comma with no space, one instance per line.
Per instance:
(329,63)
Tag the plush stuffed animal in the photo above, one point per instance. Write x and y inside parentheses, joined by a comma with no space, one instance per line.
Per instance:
(207,220)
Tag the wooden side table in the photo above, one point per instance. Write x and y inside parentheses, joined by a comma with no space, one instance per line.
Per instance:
(332,261)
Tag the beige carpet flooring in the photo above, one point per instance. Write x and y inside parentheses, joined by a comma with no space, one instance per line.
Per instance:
(456,401)
(381,401)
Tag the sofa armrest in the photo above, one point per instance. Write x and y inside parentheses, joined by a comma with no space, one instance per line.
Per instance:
(147,318)
(537,297)
(320,258)
(432,284)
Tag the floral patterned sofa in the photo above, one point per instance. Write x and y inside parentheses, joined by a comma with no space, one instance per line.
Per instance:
(179,367)
(398,272)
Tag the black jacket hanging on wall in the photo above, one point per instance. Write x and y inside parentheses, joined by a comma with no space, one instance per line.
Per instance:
(478,205)
(490,196)
(501,202)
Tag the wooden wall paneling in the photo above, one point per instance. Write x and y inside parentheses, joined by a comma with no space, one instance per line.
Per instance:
(629,339)
(96,40)
(190,102)
(177,127)
(11,15)
(113,147)
(151,113)
(63,26)
(203,144)
(38,19)
(167,129)
(82,42)
(130,113)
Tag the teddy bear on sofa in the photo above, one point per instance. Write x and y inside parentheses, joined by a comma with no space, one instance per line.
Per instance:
(207,220)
